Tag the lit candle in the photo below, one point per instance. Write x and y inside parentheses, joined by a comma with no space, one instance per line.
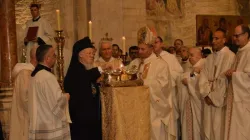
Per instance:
(90,30)
(123,45)
(58,20)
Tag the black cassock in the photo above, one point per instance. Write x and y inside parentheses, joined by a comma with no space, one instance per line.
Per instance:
(84,105)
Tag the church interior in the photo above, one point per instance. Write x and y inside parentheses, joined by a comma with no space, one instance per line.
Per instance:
(118,19)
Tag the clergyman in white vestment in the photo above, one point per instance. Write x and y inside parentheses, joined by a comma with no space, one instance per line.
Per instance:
(238,108)
(21,73)
(213,84)
(175,71)
(46,103)
(105,51)
(155,73)
(190,99)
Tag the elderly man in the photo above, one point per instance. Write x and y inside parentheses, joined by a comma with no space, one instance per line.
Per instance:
(19,125)
(155,73)
(238,90)
(189,97)
(105,52)
(213,84)
(45,33)
(46,102)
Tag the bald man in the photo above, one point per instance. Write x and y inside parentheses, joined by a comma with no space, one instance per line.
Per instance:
(19,115)
(189,99)
(213,84)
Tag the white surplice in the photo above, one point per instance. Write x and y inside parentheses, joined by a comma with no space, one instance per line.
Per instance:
(19,125)
(190,104)
(240,87)
(46,108)
(213,83)
(45,32)
(155,74)
(114,62)
(175,71)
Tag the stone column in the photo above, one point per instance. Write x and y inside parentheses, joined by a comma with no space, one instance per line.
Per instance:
(8,47)
(8,40)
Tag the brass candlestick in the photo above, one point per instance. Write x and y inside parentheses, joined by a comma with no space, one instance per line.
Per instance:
(60,40)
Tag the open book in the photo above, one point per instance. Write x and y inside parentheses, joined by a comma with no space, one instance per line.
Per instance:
(32,33)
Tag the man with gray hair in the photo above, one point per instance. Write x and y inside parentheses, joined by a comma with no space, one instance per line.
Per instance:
(105,52)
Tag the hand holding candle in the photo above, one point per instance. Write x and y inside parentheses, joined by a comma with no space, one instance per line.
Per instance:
(58,20)
(123,45)
(90,30)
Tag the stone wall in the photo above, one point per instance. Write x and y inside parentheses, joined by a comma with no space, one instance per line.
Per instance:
(183,26)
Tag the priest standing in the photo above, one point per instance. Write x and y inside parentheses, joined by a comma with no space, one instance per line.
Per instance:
(45,32)
(213,84)
(81,83)
(156,74)
(46,102)
(239,114)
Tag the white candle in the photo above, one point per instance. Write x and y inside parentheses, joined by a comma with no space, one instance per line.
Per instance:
(90,30)
(123,45)
(58,20)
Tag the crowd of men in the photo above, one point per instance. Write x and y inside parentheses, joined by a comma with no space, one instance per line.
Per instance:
(194,95)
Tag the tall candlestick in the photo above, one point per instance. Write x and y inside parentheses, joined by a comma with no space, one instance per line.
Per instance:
(123,45)
(90,30)
(58,20)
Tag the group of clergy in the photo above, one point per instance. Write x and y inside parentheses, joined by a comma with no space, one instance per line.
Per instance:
(191,97)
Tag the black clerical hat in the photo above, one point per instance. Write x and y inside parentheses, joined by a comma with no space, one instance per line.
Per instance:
(82,44)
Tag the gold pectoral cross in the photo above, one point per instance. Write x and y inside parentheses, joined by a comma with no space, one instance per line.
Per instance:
(145,71)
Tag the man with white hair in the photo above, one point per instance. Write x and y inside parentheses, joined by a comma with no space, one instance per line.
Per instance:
(19,125)
(189,97)
(105,51)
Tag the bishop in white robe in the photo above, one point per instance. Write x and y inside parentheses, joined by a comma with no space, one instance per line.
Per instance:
(155,74)
(213,84)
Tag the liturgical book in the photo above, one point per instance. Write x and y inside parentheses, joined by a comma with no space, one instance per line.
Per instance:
(32,33)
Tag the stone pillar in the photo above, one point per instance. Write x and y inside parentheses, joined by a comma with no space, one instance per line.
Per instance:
(8,40)
(8,47)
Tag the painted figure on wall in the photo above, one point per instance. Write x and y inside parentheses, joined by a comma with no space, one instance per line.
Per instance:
(204,33)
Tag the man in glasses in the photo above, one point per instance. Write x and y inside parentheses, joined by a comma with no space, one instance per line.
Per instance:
(238,96)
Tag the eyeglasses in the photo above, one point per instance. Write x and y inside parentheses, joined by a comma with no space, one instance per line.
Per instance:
(238,35)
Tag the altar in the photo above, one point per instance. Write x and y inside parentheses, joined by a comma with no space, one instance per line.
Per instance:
(125,113)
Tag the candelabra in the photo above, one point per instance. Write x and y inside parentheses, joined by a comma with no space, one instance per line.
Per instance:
(60,40)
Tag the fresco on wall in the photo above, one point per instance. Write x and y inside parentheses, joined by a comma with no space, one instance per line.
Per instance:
(207,24)
(159,13)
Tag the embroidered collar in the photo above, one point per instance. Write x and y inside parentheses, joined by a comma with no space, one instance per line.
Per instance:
(36,19)
(38,68)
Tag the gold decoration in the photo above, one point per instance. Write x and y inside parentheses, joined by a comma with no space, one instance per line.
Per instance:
(60,40)
(106,38)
